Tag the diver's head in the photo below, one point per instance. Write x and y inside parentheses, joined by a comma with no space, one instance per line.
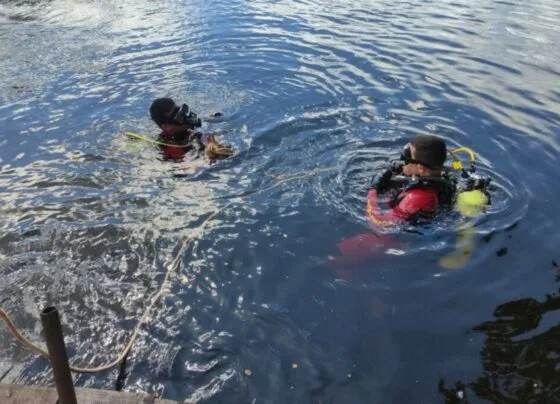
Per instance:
(424,156)
(168,115)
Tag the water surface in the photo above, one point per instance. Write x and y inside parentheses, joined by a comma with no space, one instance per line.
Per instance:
(91,220)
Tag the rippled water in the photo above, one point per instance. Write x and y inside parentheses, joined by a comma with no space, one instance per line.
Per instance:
(91,219)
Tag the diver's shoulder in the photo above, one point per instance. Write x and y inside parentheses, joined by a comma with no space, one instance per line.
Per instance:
(423,191)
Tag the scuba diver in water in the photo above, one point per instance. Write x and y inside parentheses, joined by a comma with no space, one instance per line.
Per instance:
(178,132)
(414,187)
(412,190)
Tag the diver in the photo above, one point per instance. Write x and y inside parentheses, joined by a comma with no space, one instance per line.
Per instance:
(410,191)
(179,134)
(413,188)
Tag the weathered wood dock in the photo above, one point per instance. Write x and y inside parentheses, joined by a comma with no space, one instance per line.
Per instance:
(11,393)
(20,394)
(65,392)
(9,373)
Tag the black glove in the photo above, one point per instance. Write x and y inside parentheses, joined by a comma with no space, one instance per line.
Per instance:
(396,166)
(380,181)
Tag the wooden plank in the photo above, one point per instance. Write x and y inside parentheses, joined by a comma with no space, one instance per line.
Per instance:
(9,372)
(20,394)
(5,368)
(17,394)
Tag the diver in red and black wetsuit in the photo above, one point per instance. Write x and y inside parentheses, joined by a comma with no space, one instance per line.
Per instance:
(415,185)
(179,135)
(412,189)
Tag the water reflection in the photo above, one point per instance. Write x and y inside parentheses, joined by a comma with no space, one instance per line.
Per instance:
(520,357)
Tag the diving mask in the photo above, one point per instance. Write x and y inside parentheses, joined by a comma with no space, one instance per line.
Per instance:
(406,154)
(182,116)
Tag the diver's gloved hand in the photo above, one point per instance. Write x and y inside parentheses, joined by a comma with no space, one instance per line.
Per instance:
(380,181)
(397,166)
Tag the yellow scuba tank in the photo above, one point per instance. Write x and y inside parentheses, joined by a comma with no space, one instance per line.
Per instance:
(470,202)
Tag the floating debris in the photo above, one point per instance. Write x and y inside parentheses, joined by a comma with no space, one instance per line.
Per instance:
(501,252)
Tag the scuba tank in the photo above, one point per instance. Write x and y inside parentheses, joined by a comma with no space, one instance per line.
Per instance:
(471,201)
(473,196)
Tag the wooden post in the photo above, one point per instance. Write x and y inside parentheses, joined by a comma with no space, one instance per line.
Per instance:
(58,356)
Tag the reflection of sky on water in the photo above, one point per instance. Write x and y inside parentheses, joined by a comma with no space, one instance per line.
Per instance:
(85,38)
(506,66)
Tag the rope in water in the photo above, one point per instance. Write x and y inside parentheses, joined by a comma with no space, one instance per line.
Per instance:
(212,149)
(154,298)
(150,140)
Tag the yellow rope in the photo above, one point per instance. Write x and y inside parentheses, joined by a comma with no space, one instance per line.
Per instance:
(213,150)
(19,336)
(150,140)
(155,296)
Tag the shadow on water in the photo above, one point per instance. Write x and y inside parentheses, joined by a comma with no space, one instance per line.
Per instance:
(520,356)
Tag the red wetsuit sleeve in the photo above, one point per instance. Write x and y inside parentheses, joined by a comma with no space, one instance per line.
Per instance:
(375,214)
(412,202)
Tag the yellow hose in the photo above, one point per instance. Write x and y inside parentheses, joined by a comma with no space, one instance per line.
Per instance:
(470,152)
(457,164)
(150,140)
